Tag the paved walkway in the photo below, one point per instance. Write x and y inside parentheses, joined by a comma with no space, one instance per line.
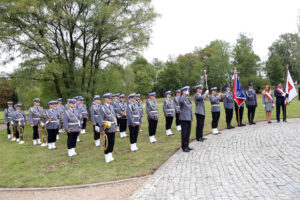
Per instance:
(254,162)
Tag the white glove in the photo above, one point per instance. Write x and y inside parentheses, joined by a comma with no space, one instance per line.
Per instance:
(97,128)
(284,94)
(207,91)
(264,105)
(273,104)
(42,124)
(187,93)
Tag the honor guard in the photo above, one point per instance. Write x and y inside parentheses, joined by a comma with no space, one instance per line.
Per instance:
(200,111)
(169,112)
(228,105)
(122,115)
(108,114)
(35,117)
(60,109)
(19,120)
(56,110)
(215,100)
(152,112)
(72,125)
(67,104)
(84,114)
(239,115)
(140,104)
(177,109)
(280,102)
(251,103)
(8,118)
(95,117)
(115,103)
(186,118)
(134,119)
(52,124)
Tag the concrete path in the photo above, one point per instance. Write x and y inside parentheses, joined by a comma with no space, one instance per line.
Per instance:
(254,162)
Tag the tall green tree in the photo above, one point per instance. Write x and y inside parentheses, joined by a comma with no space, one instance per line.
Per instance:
(275,70)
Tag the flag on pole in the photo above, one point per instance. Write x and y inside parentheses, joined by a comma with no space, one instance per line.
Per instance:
(290,88)
(238,93)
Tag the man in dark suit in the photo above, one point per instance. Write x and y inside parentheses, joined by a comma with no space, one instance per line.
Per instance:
(280,102)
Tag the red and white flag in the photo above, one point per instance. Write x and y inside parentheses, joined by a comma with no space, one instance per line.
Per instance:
(290,88)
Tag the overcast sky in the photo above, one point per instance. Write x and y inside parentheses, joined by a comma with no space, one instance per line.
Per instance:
(186,24)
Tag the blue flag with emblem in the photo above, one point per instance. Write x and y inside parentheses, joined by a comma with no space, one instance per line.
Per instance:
(238,93)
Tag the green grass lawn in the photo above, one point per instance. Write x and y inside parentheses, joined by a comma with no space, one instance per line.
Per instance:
(27,165)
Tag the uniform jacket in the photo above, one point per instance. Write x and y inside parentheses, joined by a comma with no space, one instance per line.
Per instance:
(200,103)
(141,109)
(122,109)
(19,115)
(95,113)
(186,108)
(133,114)
(72,120)
(35,115)
(107,113)
(53,121)
(176,104)
(151,109)
(279,98)
(169,107)
(115,104)
(251,99)
(83,110)
(228,100)
(8,112)
(215,103)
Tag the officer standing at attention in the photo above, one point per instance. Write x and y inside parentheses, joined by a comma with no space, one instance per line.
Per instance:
(18,116)
(133,115)
(152,112)
(186,118)
(8,118)
(115,103)
(177,109)
(251,103)
(108,114)
(95,117)
(140,104)
(72,126)
(228,105)
(52,124)
(35,117)
(60,109)
(122,115)
(280,102)
(200,111)
(84,114)
(241,110)
(169,112)
(215,109)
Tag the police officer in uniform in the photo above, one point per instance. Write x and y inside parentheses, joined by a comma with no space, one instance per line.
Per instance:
(84,114)
(133,115)
(228,105)
(241,110)
(115,103)
(200,111)
(186,118)
(251,103)
(215,100)
(152,113)
(52,124)
(60,109)
(122,115)
(8,118)
(140,104)
(19,116)
(72,126)
(108,114)
(169,112)
(177,109)
(35,117)
(95,117)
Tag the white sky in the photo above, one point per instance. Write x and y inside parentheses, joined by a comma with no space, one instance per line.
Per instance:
(186,24)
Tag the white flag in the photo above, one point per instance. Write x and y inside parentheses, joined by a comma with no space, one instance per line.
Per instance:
(290,88)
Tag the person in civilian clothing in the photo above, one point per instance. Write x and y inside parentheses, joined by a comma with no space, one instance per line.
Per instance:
(268,102)
(280,102)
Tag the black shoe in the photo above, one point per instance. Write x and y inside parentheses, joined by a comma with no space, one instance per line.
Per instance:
(232,127)
(253,123)
(228,127)
(190,148)
(250,123)
(284,121)
(185,150)
(204,138)
(278,121)
(200,140)
(243,124)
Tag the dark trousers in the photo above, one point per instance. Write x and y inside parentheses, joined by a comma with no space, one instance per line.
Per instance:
(215,119)
(169,121)
(72,139)
(84,123)
(96,134)
(118,121)
(278,106)
(52,135)
(229,115)
(8,129)
(185,133)
(152,127)
(251,113)
(111,143)
(133,134)
(200,125)
(123,124)
(17,133)
(177,120)
(36,132)
(237,113)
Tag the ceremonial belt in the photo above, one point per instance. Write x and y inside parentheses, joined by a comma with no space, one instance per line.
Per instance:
(8,117)
(135,116)
(215,105)
(75,123)
(170,109)
(154,111)
(112,122)
(84,112)
(54,121)
(177,106)
(36,118)
(20,118)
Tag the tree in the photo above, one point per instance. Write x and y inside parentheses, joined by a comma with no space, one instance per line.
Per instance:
(6,93)
(245,60)
(275,70)
(68,42)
